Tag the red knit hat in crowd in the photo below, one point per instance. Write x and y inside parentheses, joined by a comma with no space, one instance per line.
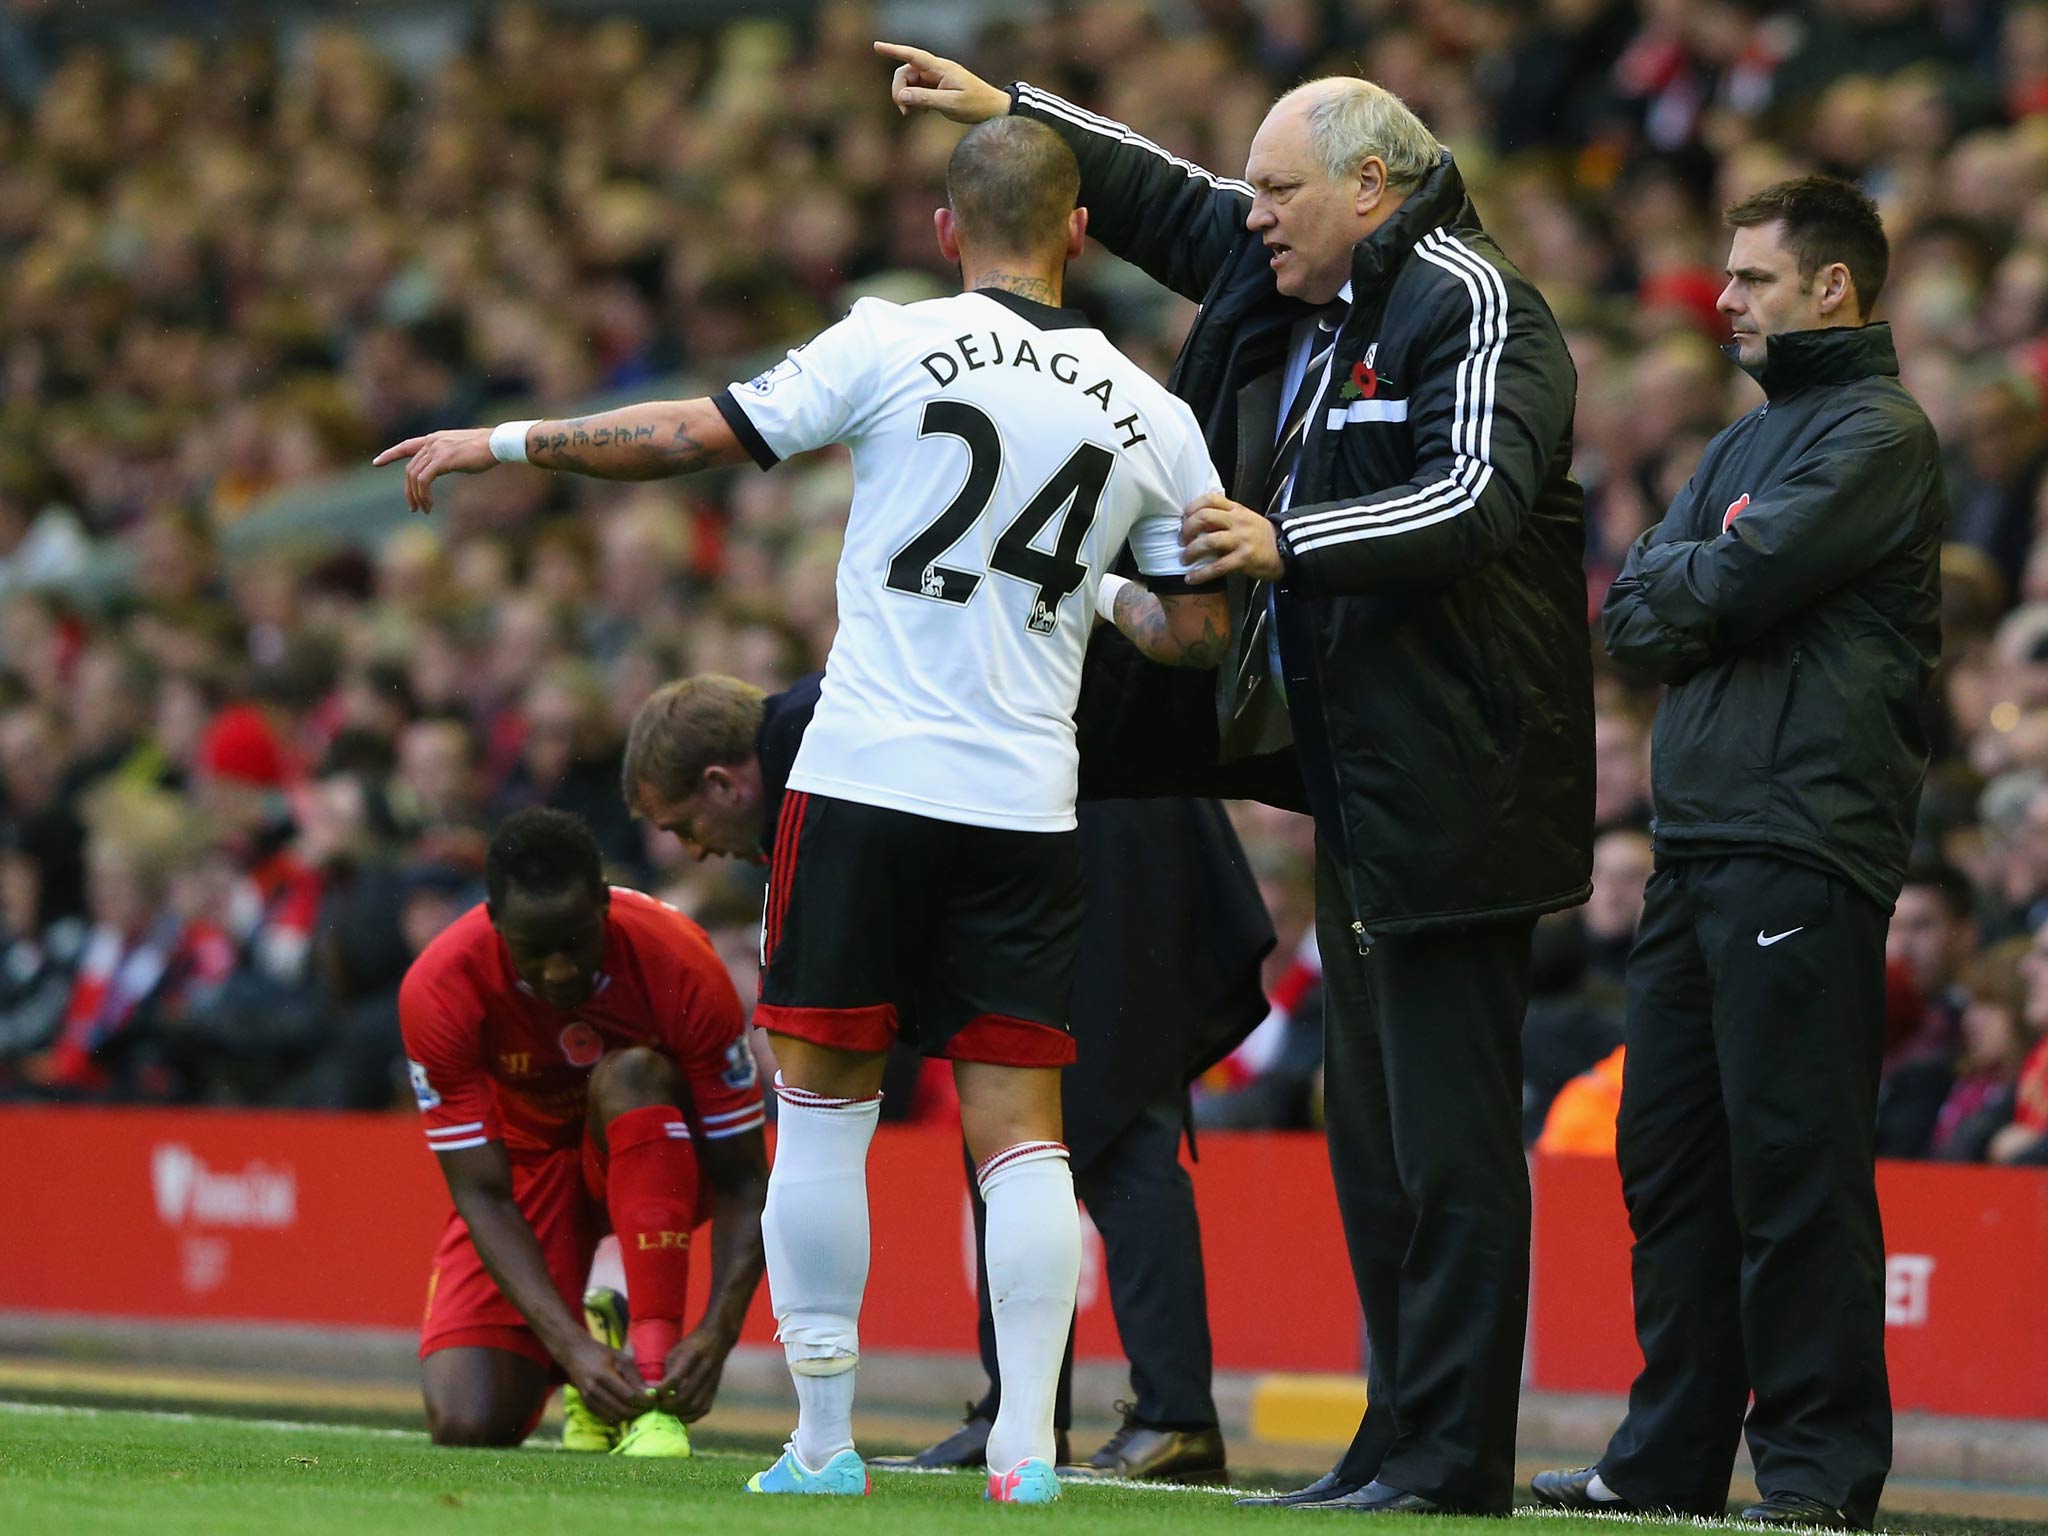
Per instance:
(239,746)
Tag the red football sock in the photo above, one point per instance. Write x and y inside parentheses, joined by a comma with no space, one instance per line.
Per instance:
(651,1192)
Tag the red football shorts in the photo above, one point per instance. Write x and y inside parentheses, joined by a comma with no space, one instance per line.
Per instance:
(562,1196)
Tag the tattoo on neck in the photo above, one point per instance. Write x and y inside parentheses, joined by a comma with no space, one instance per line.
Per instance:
(1037,289)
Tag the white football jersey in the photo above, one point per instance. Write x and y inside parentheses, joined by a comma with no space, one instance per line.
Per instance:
(1003,452)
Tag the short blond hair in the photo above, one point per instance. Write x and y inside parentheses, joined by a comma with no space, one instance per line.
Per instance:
(1351,121)
(686,727)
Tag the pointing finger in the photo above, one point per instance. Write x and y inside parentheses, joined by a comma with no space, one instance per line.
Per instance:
(908,54)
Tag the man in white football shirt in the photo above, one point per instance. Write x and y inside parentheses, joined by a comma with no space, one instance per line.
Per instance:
(926,880)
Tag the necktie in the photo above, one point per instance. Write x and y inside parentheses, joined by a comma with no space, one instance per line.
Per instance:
(1287,452)
(1264,641)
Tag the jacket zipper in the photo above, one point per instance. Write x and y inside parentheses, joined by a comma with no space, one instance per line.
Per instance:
(1364,939)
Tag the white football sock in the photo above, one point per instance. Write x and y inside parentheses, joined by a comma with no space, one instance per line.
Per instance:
(1598,1490)
(1034,1265)
(815,1232)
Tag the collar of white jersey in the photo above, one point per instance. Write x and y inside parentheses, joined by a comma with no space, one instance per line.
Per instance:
(1044,316)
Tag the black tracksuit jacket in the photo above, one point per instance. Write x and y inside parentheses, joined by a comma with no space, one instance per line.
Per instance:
(1791,598)
(1434,614)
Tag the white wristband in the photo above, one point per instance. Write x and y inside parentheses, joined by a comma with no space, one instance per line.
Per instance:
(508,440)
(1105,596)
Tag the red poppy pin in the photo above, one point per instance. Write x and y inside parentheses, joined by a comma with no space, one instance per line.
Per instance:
(1363,384)
(581,1045)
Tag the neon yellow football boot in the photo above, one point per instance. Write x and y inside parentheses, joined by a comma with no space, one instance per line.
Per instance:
(654,1433)
(604,1314)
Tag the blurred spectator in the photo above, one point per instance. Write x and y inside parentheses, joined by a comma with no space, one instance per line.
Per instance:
(1621,767)
(1932,937)
(137,958)
(1998,462)
(1584,1114)
(1622,863)
(571,760)
(1994,1044)
(1574,1019)
(39,819)
(36,961)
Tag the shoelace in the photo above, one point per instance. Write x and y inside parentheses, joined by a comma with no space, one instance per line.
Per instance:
(1122,1437)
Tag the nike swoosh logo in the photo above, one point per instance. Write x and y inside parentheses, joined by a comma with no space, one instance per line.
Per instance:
(1765,943)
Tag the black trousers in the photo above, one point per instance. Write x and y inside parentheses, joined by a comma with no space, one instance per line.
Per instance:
(1143,1203)
(1748,1112)
(1423,1098)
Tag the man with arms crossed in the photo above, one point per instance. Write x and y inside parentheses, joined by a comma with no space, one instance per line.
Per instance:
(579,1055)
(925,863)
(1790,601)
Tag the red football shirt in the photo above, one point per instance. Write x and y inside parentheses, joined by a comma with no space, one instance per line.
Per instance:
(492,1062)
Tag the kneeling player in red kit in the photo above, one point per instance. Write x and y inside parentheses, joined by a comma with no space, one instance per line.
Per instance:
(579,1054)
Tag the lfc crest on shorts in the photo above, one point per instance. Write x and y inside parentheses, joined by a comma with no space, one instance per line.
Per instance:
(581,1045)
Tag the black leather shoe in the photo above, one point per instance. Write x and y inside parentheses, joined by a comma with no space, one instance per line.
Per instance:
(1573,1491)
(967,1446)
(1378,1498)
(1156,1455)
(1321,1491)
(1797,1509)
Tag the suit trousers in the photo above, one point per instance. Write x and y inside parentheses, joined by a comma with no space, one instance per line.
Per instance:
(1422,1043)
(1747,1143)
(1143,1203)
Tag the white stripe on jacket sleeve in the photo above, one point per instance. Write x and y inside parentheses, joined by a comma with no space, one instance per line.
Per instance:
(1471,423)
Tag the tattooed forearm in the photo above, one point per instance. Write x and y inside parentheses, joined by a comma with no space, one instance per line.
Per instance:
(1164,636)
(640,442)
(1207,651)
(685,454)
(1143,621)
(1037,289)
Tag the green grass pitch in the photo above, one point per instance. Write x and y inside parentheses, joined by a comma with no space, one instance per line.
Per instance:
(84,1470)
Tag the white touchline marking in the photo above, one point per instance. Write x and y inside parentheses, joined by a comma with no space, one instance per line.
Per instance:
(175,1416)
(1219,1489)
(1697,1522)
(294,1426)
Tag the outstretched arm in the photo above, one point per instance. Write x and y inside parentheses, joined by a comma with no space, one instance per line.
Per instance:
(636,442)
(1168,216)
(1178,629)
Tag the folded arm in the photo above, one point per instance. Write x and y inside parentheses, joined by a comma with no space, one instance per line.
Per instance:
(1841,507)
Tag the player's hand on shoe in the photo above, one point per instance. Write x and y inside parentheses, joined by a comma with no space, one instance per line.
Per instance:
(925,82)
(1219,537)
(611,1388)
(457,451)
(693,1371)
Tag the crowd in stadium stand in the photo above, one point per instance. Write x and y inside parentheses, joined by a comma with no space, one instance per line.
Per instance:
(240,796)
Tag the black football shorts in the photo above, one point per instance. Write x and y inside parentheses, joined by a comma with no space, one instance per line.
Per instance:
(882,925)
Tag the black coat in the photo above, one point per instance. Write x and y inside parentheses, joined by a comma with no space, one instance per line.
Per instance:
(1167,979)
(1434,611)
(1791,598)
